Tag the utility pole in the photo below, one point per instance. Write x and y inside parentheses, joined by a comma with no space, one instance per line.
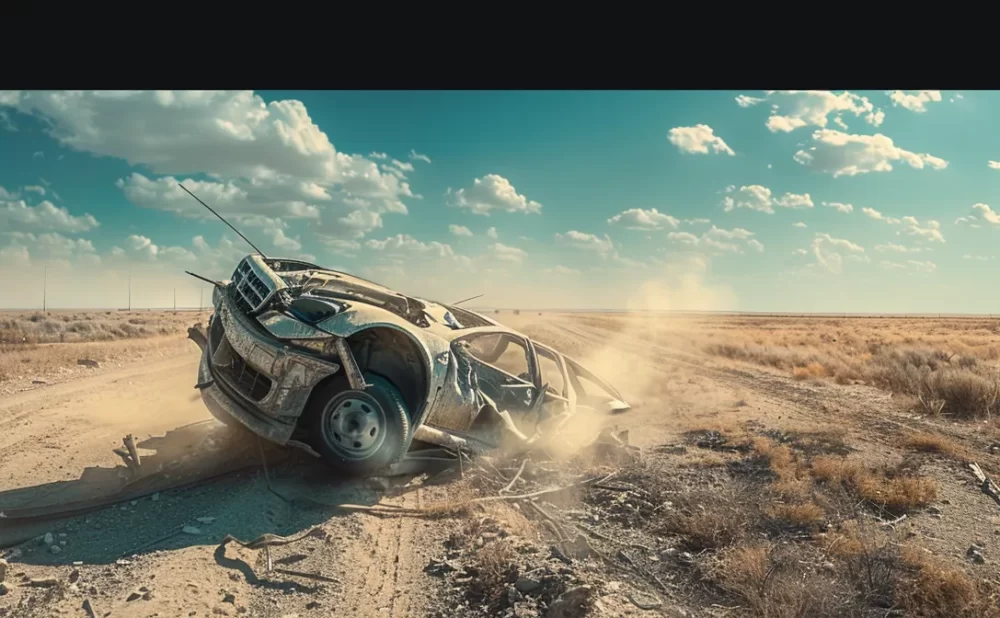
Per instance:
(45,285)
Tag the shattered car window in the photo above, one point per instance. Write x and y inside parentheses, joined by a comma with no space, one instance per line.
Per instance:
(502,351)
(551,373)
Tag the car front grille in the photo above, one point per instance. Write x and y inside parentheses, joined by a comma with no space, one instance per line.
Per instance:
(249,289)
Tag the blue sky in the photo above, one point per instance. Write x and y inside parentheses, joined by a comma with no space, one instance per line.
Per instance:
(757,201)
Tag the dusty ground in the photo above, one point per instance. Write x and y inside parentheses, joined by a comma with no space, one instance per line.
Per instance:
(683,532)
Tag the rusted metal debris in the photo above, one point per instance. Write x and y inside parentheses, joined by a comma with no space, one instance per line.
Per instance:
(359,374)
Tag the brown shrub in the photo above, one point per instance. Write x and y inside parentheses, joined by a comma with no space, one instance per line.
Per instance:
(933,588)
(925,442)
(878,486)
(770,582)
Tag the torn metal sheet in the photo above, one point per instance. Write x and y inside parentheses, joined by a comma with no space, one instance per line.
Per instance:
(290,342)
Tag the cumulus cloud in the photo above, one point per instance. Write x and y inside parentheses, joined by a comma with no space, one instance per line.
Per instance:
(699,139)
(492,233)
(508,254)
(404,244)
(492,192)
(929,230)
(842,154)
(459,230)
(759,198)
(914,100)
(993,165)
(839,207)
(794,109)
(895,248)
(827,251)
(986,213)
(588,242)
(49,247)
(748,101)
(261,158)
(44,216)
(718,239)
(798,224)
(642,219)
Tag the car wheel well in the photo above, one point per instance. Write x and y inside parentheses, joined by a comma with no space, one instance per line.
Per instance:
(393,355)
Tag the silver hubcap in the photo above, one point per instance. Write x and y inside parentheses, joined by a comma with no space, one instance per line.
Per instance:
(355,425)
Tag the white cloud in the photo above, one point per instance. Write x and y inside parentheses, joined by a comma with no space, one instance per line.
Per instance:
(839,207)
(641,219)
(800,252)
(842,154)
(800,108)
(698,139)
(826,249)
(970,220)
(492,233)
(978,258)
(40,190)
(911,226)
(894,248)
(930,230)
(993,165)
(718,239)
(459,230)
(987,213)
(759,198)
(493,192)
(416,156)
(262,158)
(508,254)
(588,242)
(915,100)
(915,265)
(878,216)
(45,216)
(748,101)
(798,224)
(404,244)
(792,200)
(50,247)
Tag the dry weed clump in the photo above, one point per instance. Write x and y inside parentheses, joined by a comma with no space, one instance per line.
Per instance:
(769,581)
(893,491)
(933,588)
(924,442)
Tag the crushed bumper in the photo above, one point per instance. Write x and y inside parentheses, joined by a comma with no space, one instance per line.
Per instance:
(255,379)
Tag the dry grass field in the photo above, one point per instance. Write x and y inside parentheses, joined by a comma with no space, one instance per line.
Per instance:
(791,467)
(44,347)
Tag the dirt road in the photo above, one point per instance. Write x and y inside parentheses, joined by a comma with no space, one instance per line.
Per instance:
(369,566)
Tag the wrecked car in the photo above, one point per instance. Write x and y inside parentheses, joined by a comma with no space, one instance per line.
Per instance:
(359,374)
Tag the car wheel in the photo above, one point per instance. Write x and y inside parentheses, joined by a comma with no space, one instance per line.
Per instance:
(359,432)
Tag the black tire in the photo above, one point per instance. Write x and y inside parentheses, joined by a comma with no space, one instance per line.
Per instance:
(327,412)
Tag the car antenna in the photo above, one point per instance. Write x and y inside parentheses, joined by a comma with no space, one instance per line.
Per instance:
(223,220)
(468,299)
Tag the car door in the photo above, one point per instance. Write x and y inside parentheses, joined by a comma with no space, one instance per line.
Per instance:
(505,369)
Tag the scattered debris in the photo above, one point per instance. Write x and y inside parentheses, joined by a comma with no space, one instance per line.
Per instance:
(975,554)
(86,362)
(985,484)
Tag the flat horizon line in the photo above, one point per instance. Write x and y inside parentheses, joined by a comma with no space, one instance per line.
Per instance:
(693,312)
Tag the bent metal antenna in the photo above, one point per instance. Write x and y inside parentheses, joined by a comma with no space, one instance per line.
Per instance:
(223,220)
